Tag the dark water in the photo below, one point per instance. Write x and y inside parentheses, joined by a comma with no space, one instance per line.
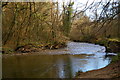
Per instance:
(63,63)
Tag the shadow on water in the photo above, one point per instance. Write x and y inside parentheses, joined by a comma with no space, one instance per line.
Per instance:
(82,56)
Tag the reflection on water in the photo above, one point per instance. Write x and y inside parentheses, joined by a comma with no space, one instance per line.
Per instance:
(56,66)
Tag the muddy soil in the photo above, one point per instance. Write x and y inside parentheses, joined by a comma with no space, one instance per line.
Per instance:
(110,71)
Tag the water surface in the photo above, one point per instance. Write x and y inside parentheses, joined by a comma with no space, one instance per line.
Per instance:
(62,63)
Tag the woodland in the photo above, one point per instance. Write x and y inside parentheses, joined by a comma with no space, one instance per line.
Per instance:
(35,26)
(44,24)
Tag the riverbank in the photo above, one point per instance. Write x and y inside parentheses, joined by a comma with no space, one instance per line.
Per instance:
(110,71)
(58,63)
(31,48)
(112,44)
(73,46)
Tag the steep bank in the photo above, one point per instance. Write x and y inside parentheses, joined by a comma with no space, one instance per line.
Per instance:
(112,45)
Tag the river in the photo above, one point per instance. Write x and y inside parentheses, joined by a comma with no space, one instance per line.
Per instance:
(61,63)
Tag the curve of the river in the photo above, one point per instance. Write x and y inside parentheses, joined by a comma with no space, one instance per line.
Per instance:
(61,63)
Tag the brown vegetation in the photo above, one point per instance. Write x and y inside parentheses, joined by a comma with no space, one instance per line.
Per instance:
(36,23)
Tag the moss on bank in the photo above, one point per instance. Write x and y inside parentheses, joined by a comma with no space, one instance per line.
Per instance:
(116,58)
(111,44)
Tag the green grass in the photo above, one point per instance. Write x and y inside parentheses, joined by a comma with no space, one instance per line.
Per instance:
(116,58)
(103,42)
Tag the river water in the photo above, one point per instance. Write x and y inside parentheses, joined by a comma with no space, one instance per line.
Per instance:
(61,63)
